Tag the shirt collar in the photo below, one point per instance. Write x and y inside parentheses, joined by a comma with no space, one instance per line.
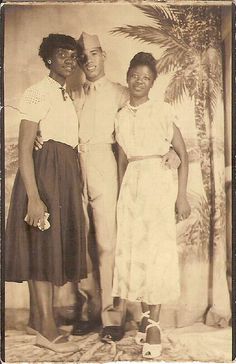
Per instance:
(55,83)
(96,84)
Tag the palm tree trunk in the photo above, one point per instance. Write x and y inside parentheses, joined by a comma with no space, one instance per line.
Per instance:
(205,165)
(207,169)
(203,143)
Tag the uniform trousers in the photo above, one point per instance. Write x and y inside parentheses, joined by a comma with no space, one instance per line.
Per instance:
(100,192)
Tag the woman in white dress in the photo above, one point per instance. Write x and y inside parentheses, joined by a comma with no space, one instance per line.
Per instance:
(146,266)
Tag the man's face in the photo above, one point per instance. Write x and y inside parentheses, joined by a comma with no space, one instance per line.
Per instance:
(92,63)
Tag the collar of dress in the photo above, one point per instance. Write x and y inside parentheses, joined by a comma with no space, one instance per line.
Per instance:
(55,83)
(136,108)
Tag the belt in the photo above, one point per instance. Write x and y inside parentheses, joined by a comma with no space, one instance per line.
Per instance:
(140,158)
(87,147)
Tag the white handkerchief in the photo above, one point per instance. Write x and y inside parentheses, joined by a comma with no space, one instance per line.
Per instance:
(46,222)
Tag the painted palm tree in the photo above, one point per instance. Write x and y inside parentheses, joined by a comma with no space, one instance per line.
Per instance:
(190,37)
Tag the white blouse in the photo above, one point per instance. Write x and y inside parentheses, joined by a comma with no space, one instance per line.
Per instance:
(45,104)
(145,130)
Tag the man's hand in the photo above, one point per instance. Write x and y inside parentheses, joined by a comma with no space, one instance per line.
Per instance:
(171,160)
(38,142)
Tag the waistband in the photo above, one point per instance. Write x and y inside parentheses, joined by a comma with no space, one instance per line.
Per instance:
(87,147)
(140,158)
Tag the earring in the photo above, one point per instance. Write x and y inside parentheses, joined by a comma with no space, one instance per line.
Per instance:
(49,61)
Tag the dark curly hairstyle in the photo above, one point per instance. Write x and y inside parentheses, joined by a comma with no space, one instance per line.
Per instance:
(143,59)
(54,41)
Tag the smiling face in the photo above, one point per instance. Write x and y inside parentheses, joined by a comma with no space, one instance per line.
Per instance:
(63,63)
(92,63)
(140,80)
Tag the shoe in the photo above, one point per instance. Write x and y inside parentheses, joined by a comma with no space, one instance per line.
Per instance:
(152,351)
(82,328)
(30,331)
(66,347)
(140,337)
(111,333)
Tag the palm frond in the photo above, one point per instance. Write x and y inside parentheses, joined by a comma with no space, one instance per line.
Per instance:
(169,17)
(149,34)
(214,90)
(176,88)
(171,58)
(211,103)
(178,11)
(212,56)
(212,68)
(162,15)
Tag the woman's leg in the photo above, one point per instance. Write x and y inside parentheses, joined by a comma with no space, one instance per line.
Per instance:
(44,296)
(144,322)
(34,316)
(153,333)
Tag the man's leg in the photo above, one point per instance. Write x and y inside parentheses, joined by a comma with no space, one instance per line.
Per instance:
(88,293)
(104,217)
(102,186)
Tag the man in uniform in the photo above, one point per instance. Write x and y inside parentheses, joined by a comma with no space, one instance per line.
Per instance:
(97,108)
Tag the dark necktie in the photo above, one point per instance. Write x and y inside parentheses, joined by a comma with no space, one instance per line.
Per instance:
(65,94)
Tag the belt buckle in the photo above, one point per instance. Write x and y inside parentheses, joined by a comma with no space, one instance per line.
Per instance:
(82,147)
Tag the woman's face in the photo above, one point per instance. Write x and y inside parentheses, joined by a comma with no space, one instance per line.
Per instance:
(140,80)
(63,63)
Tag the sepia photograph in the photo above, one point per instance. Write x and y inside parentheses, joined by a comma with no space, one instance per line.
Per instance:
(117,119)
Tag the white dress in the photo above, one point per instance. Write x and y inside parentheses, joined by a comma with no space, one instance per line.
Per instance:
(146,263)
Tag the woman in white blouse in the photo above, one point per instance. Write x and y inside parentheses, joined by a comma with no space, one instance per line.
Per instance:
(47,250)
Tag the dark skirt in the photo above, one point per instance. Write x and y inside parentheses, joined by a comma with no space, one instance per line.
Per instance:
(57,255)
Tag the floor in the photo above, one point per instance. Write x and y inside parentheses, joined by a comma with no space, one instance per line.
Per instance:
(196,343)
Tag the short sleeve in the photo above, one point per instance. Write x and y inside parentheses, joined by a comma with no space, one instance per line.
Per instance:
(170,118)
(117,128)
(124,95)
(33,105)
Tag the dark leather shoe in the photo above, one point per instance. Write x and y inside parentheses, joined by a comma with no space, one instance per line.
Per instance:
(112,333)
(82,328)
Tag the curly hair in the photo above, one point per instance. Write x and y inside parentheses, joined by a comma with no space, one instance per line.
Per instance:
(52,42)
(143,59)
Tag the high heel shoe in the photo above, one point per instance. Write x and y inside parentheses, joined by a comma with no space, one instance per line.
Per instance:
(152,351)
(140,337)
(30,331)
(64,347)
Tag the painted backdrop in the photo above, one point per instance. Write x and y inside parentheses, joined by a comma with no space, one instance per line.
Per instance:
(202,237)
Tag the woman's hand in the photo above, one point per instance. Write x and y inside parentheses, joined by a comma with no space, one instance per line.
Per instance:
(35,212)
(182,208)
(38,142)
(171,159)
